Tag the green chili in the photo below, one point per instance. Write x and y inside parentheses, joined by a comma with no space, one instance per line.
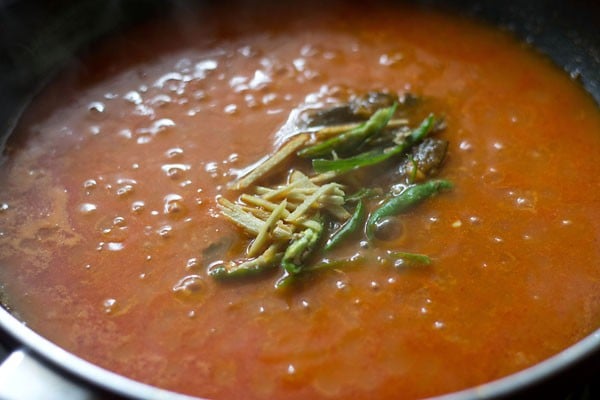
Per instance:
(365,159)
(377,155)
(352,138)
(405,200)
(349,227)
(234,270)
(411,258)
(287,279)
(363,193)
(422,130)
(299,249)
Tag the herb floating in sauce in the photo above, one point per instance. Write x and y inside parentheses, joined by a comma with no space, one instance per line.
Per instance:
(309,215)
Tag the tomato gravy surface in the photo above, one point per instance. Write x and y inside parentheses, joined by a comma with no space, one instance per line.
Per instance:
(108,218)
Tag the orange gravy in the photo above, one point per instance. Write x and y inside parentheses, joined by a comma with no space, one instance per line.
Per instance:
(108,208)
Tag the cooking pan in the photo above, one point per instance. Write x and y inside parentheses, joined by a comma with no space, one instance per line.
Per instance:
(37,37)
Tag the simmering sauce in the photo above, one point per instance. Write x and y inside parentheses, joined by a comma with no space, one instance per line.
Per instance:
(108,216)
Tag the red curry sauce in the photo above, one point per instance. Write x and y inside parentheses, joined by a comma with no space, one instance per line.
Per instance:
(108,208)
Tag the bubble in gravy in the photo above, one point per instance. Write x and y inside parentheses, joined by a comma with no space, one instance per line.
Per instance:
(192,263)
(269,98)
(247,51)
(230,109)
(212,168)
(87,208)
(125,187)
(439,324)
(94,130)
(160,100)
(114,233)
(174,206)
(465,145)
(89,184)
(202,68)
(96,110)
(193,111)
(238,83)
(525,200)
(341,284)
(175,171)
(144,110)
(251,101)
(165,231)
(200,95)
(115,246)
(389,59)
(138,206)
(299,64)
(158,126)
(124,190)
(260,80)
(175,153)
(174,79)
(133,97)
(190,287)
(110,306)
(493,176)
